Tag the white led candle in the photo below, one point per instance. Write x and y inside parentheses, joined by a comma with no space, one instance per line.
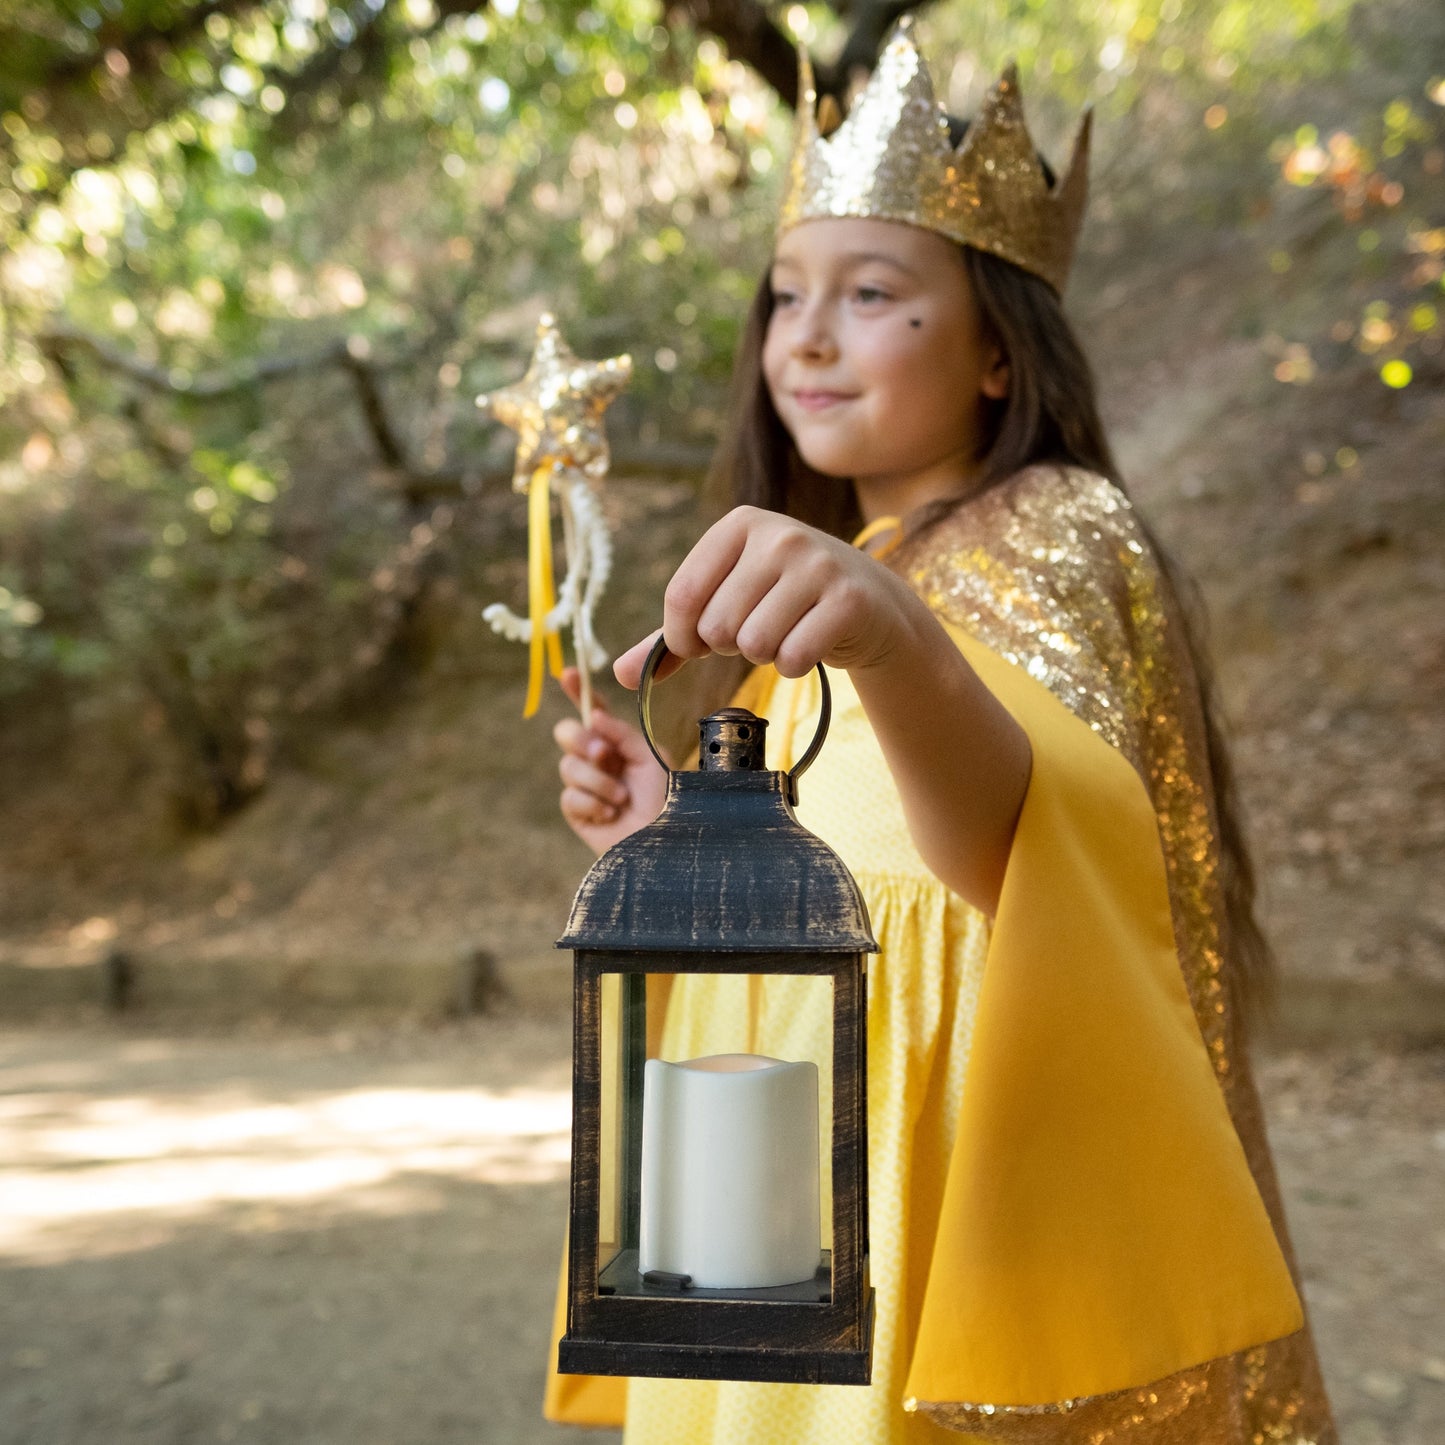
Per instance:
(730,1171)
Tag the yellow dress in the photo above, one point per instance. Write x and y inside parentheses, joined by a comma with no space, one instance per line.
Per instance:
(1068,1241)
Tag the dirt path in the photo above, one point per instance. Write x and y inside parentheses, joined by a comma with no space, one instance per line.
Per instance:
(352,1237)
(339,1238)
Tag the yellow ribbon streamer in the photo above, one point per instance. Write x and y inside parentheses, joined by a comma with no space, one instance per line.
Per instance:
(541,589)
(876,528)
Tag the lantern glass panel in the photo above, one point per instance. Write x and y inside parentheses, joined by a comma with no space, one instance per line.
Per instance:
(715,1157)
(623,1021)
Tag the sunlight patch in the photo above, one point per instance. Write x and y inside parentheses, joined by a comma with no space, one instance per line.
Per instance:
(97,1176)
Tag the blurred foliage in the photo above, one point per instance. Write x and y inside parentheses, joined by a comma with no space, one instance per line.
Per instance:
(256,257)
(230,545)
(1384,182)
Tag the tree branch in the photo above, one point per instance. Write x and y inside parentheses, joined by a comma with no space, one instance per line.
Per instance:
(356,358)
(860,51)
(751,35)
(151,95)
(59,343)
(364,55)
(666,461)
(145,46)
(362,59)
(353,355)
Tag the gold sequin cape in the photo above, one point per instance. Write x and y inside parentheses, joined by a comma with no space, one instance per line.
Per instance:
(1076,1232)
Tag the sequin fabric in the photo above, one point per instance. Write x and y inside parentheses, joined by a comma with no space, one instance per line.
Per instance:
(892,159)
(1052,571)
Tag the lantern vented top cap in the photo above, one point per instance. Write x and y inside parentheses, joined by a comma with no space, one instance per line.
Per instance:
(732,741)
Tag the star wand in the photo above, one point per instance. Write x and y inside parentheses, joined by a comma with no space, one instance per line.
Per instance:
(556,411)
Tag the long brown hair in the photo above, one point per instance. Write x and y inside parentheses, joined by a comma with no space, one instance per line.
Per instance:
(1050,415)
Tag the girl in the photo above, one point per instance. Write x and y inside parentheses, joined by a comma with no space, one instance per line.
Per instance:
(1069,1243)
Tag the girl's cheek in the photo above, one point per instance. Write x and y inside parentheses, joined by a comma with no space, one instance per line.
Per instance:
(911,325)
(772,392)
(773,353)
(900,342)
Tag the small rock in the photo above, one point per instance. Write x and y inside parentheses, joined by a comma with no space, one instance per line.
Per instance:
(1385,1386)
(480,986)
(163,1372)
(1433,1370)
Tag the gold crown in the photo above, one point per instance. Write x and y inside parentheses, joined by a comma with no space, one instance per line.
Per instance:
(892,159)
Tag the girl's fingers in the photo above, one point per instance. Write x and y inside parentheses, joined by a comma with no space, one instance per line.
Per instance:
(736,601)
(771,629)
(581,808)
(610,742)
(572,737)
(805,644)
(576,741)
(615,732)
(703,570)
(746,587)
(581,776)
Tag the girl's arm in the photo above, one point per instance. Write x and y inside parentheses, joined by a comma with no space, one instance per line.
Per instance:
(776,591)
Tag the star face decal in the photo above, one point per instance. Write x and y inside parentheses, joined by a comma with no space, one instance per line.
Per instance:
(556,409)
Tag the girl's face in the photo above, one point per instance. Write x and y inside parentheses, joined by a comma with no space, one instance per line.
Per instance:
(878,362)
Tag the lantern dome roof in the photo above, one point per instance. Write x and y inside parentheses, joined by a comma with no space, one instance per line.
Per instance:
(725,867)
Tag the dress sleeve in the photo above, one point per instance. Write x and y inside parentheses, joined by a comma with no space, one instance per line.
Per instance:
(1100,1226)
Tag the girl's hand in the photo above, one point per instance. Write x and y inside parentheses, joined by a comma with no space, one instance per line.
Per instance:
(611,784)
(768,587)
(765,586)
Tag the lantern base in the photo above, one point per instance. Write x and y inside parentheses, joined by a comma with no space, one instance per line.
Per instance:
(622,1277)
(722,1362)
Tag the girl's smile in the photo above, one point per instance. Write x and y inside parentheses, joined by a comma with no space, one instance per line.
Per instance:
(877,361)
(820,400)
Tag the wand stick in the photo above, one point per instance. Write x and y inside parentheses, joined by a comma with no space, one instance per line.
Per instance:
(575,560)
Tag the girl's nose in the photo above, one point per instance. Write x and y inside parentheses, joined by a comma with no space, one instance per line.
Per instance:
(814,339)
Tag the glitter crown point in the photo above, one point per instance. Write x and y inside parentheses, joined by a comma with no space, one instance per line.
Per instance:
(891,159)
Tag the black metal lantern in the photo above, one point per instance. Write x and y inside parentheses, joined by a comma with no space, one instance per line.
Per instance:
(726,881)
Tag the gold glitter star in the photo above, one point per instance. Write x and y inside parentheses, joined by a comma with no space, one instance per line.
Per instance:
(556,409)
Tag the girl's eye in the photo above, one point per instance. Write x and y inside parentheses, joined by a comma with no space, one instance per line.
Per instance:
(784,298)
(870,295)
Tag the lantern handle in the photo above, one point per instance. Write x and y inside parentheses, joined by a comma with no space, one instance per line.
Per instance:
(644,714)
